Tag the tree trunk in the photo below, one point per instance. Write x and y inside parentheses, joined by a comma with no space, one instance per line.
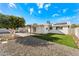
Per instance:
(12,32)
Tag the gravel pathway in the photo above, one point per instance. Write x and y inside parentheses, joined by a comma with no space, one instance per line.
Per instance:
(30,46)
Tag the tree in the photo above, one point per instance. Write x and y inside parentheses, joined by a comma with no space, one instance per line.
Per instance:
(16,22)
(2,18)
(20,22)
(12,22)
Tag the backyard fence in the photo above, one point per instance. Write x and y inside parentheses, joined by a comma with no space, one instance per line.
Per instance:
(74,32)
(77,32)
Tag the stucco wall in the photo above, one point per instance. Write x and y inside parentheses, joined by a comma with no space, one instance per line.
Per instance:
(64,30)
(45,29)
(60,31)
(41,30)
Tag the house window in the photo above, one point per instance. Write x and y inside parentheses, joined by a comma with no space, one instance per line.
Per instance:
(46,28)
(50,28)
(59,28)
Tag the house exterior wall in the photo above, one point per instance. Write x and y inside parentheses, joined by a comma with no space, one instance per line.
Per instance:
(46,29)
(28,30)
(41,29)
(65,30)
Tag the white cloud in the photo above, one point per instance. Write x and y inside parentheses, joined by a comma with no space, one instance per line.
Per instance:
(64,10)
(47,5)
(39,11)
(31,11)
(40,5)
(12,5)
(54,15)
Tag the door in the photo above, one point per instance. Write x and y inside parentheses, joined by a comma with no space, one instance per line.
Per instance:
(34,29)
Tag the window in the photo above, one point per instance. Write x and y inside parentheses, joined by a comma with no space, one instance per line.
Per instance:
(59,28)
(46,28)
(50,28)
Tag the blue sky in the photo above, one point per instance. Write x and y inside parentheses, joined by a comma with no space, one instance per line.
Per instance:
(42,12)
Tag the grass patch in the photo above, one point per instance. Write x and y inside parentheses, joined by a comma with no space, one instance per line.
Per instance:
(58,38)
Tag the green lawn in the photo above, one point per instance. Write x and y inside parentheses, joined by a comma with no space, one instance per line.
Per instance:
(58,38)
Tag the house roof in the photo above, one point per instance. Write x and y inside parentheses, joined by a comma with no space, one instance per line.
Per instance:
(56,24)
(63,23)
(38,25)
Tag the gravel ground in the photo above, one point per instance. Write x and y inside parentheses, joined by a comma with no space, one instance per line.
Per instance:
(30,46)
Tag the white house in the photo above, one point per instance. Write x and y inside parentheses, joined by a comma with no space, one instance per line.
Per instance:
(60,28)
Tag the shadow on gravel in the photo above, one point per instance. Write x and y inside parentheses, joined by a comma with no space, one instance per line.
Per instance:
(32,41)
